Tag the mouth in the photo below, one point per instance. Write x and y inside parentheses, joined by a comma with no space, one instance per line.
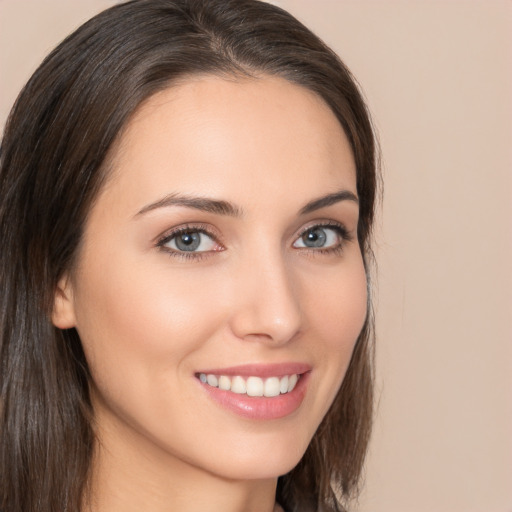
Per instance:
(253,385)
(261,392)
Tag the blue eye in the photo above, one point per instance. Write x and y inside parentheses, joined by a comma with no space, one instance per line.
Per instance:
(189,240)
(321,237)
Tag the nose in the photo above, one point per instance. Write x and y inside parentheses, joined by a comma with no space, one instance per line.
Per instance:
(266,302)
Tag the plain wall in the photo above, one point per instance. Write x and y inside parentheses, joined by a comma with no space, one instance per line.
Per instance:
(438,79)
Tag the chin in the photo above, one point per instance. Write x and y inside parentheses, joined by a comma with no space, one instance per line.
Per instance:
(262,459)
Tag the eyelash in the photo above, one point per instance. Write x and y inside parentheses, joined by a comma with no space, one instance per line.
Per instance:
(337,227)
(192,255)
(342,232)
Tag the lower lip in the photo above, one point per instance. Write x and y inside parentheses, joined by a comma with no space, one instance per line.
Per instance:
(261,407)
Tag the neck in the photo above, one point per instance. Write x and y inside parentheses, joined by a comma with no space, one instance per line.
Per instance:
(130,474)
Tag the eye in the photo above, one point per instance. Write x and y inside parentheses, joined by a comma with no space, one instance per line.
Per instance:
(322,237)
(189,240)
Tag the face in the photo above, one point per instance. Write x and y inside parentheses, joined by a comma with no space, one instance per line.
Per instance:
(220,263)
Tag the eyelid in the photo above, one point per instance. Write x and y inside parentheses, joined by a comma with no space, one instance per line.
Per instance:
(324,223)
(342,232)
(205,229)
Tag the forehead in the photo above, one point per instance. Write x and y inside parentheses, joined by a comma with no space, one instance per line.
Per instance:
(211,135)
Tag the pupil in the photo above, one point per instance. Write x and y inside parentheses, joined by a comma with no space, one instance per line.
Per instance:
(315,238)
(188,241)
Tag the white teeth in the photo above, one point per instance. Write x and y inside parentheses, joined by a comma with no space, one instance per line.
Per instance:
(224,383)
(271,387)
(291,382)
(252,386)
(255,386)
(212,380)
(238,386)
(283,385)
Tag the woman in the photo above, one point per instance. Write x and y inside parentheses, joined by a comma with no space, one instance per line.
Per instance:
(187,200)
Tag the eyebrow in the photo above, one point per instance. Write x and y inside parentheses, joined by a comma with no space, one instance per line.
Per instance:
(204,204)
(328,200)
(221,207)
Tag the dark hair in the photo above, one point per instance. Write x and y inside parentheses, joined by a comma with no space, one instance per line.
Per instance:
(54,158)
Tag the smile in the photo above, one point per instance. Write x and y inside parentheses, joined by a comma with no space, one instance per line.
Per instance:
(252,386)
(257,391)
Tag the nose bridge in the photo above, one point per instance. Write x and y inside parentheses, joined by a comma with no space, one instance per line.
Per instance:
(267,305)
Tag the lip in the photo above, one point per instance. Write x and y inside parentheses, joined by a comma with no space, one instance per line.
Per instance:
(260,370)
(260,408)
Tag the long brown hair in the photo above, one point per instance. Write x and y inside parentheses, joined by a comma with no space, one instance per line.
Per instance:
(53,162)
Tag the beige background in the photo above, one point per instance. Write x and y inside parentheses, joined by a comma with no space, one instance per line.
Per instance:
(438,78)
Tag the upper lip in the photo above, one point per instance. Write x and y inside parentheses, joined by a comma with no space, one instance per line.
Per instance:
(260,370)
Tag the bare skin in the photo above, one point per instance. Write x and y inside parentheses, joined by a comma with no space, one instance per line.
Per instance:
(152,316)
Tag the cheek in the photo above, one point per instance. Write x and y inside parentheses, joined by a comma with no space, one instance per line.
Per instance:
(133,319)
(340,310)
(338,316)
